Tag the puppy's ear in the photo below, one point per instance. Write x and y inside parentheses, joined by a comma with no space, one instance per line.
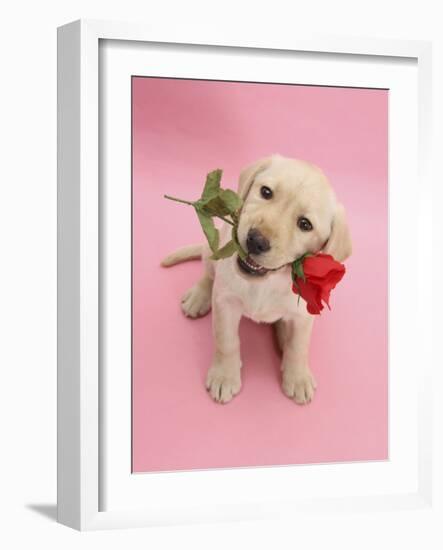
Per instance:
(248,174)
(339,244)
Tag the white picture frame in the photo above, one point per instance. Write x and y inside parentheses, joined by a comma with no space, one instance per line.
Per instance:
(85,446)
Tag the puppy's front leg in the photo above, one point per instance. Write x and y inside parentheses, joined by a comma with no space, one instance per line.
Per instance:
(294,335)
(223,379)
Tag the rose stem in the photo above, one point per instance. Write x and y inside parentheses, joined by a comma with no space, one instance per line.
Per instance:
(178,200)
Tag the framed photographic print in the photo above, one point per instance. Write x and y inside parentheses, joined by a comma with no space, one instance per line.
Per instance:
(276,371)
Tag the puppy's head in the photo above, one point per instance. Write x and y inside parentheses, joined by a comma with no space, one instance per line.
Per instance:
(289,209)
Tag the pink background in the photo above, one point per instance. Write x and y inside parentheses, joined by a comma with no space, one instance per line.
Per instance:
(181,130)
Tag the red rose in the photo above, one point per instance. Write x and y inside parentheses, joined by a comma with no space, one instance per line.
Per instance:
(313,279)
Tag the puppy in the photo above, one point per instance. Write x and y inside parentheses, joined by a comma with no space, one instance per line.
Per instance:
(289,208)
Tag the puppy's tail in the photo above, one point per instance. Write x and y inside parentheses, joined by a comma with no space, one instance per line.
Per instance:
(191,252)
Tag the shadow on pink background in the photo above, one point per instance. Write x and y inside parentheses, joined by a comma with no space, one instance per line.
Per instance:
(181,130)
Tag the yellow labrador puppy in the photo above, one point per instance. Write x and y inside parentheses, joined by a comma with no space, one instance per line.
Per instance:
(289,209)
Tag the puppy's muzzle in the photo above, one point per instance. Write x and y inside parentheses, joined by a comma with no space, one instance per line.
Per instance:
(256,242)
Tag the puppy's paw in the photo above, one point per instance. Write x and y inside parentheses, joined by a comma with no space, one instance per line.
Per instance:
(223,384)
(299,385)
(196,302)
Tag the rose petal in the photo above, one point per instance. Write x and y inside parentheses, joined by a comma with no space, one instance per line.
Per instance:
(312,294)
(329,281)
(322,273)
(320,265)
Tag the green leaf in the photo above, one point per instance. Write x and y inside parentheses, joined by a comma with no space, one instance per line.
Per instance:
(212,185)
(225,251)
(240,250)
(298,268)
(209,229)
(231,200)
(215,207)
(298,288)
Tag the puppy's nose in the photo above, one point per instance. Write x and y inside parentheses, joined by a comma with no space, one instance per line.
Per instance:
(256,242)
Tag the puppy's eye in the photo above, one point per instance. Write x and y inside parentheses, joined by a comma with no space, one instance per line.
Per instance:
(304,224)
(266,193)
